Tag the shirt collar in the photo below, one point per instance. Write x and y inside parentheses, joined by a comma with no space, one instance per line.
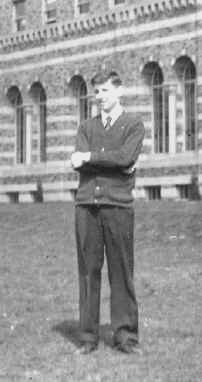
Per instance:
(114,114)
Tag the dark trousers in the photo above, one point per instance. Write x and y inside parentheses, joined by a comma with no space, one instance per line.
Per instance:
(108,229)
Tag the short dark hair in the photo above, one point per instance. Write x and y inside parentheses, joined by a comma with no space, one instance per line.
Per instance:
(102,77)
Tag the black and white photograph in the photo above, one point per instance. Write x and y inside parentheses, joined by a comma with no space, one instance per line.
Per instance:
(100,190)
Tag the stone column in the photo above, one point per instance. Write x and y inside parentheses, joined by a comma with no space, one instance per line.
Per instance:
(172,118)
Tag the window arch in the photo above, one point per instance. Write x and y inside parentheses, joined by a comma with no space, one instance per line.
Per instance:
(16,101)
(80,94)
(154,78)
(38,97)
(186,72)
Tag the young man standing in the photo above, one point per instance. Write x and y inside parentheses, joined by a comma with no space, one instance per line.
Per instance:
(107,148)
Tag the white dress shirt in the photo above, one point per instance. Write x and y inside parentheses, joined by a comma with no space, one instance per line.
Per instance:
(114,114)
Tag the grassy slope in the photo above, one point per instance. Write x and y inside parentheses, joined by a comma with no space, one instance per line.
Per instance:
(39,304)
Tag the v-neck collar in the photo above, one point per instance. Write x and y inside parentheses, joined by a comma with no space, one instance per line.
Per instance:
(99,117)
(114,114)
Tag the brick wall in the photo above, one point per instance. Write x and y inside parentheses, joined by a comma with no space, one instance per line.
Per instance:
(65,11)
(33,13)
(55,59)
(5,17)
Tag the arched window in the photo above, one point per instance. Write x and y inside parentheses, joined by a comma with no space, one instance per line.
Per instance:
(80,94)
(15,99)
(154,78)
(38,97)
(189,79)
(186,72)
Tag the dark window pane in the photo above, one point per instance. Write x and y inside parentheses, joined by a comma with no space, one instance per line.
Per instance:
(42,111)
(20,15)
(190,118)
(21,134)
(20,24)
(84,8)
(51,11)
(20,9)
(116,2)
(51,15)
(161,119)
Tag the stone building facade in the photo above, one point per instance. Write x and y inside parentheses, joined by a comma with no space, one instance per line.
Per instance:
(49,51)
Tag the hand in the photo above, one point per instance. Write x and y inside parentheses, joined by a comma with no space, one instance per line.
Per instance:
(130,170)
(78,158)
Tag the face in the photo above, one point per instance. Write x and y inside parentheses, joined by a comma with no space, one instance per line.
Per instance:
(107,95)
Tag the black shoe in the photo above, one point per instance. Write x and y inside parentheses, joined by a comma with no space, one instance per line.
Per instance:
(87,348)
(129,348)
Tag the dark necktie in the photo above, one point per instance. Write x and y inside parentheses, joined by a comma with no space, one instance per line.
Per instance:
(108,123)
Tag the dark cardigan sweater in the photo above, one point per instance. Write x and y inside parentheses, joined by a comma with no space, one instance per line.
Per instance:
(104,180)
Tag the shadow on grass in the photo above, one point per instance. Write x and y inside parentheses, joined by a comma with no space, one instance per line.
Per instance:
(70,330)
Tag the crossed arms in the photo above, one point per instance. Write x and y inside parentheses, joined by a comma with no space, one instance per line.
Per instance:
(123,158)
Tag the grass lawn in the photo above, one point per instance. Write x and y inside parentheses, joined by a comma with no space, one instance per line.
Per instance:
(39,297)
